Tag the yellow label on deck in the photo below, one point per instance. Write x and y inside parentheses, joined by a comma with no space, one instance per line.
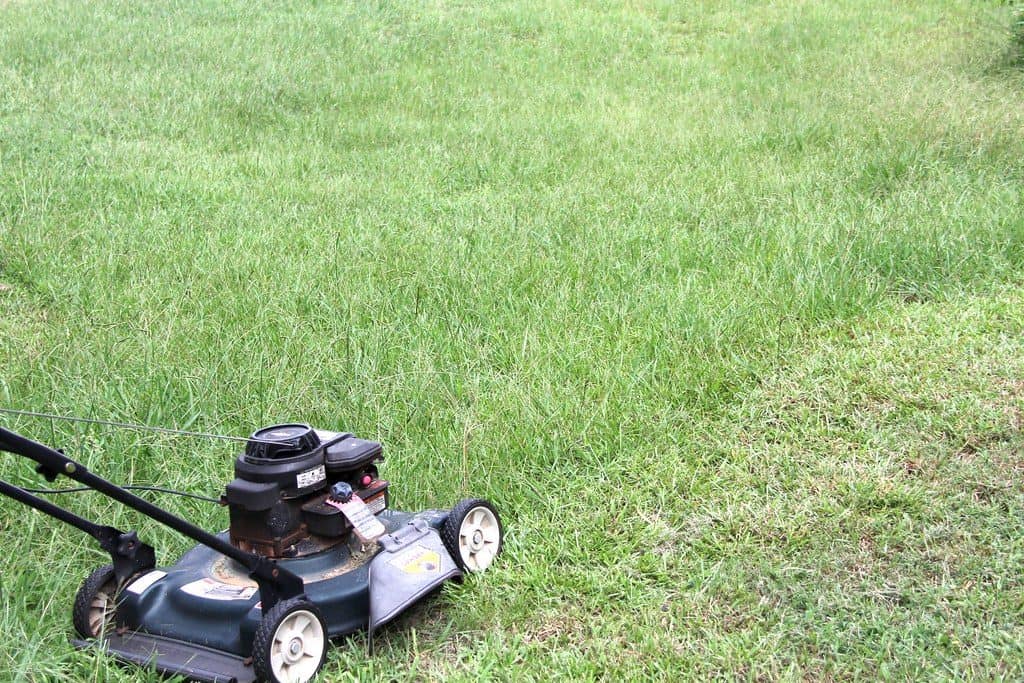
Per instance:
(418,560)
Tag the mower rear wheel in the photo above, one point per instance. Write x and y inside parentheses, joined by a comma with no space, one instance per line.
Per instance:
(291,643)
(95,603)
(473,534)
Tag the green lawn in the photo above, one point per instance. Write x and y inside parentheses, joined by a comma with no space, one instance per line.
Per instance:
(719,301)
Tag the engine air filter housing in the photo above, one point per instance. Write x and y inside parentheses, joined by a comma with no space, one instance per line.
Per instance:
(289,455)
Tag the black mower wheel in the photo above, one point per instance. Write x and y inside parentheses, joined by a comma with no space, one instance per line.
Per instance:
(290,644)
(473,534)
(95,603)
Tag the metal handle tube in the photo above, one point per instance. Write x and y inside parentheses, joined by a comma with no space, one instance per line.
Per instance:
(128,554)
(45,506)
(57,462)
(52,462)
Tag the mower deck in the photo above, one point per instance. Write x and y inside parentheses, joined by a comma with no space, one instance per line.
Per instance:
(171,657)
(197,618)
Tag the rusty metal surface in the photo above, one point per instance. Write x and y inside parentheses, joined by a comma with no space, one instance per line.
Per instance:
(350,556)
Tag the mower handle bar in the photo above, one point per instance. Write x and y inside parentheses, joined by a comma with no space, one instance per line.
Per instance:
(275,582)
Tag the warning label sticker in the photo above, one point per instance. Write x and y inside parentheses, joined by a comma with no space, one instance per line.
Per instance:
(215,590)
(139,585)
(364,522)
(418,560)
(310,477)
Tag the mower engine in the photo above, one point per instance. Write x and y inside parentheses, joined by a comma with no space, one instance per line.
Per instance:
(278,499)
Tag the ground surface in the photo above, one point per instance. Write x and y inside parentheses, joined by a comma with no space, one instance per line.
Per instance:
(718,301)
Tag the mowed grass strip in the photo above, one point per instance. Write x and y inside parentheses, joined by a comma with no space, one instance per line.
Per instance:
(715,300)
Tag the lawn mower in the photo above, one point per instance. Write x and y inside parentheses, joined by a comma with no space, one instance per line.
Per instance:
(313,551)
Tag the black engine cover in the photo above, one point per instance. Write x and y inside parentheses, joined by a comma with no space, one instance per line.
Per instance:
(276,498)
(291,456)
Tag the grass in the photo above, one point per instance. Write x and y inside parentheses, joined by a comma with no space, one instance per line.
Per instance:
(718,301)
(1015,52)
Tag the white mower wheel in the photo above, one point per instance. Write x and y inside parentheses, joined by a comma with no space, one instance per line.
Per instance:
(291,643)
(473,535)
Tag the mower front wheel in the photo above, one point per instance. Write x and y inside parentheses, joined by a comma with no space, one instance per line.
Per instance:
(290,644)
(473,534)
(95,603)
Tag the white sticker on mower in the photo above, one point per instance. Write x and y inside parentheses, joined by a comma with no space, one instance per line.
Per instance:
(311,477)
(139,585)
(367,527)
(376,505)
(215,590)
